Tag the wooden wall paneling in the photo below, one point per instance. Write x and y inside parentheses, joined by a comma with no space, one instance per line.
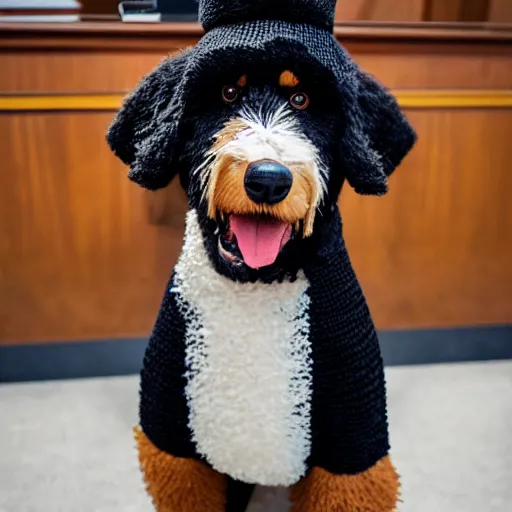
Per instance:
(476,10)
(436,69)
(457,10)
(398,10)
(352,11)
(380,10)
(436,250)
(443,10)
(74,71)
(99,6)
(99,37)
(500,11)
(84,253)
(78,257)
(416,65)
(355,11)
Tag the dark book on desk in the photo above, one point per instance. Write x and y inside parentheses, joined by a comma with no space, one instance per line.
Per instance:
(178,10)
(158,10)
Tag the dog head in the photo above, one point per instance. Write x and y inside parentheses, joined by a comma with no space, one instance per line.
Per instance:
(262,149)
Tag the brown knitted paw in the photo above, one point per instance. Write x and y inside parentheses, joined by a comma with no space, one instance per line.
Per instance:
(179,485)
(375,490)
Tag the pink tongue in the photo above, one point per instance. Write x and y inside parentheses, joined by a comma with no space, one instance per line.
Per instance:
(259,239)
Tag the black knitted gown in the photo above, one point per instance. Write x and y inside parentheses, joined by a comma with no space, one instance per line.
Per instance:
(348,423)
(264,379)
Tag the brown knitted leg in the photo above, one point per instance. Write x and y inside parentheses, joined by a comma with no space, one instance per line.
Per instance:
(179,485)
(375,490)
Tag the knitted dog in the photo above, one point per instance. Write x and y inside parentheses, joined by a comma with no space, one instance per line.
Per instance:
(263,367)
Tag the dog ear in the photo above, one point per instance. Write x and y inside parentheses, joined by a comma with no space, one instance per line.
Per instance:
(144,133)
(377,137)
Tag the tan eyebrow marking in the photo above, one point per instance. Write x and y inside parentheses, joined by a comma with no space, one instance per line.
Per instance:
(288,79)
(243,81)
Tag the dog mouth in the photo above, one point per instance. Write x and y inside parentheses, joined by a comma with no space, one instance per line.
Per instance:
(256,240)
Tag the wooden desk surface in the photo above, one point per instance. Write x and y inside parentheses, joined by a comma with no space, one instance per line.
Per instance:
(85,254)
(109,35)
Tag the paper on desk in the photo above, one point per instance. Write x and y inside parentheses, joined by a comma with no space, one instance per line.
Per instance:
(39,4)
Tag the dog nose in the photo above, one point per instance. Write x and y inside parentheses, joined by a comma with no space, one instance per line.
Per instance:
(267,182)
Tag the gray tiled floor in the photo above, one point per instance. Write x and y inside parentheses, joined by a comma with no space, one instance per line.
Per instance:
(67,446)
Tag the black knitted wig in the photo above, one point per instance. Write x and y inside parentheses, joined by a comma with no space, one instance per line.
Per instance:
(319,12)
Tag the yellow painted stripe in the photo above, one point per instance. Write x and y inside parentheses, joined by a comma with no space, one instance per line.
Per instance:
(454,98)
(424,99)
(45,102)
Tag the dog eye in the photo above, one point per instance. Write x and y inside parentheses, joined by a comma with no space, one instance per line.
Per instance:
(299,100)
(230,93)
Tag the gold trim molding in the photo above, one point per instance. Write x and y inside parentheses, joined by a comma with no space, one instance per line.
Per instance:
(457,98)
(62,102)
(407,98)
